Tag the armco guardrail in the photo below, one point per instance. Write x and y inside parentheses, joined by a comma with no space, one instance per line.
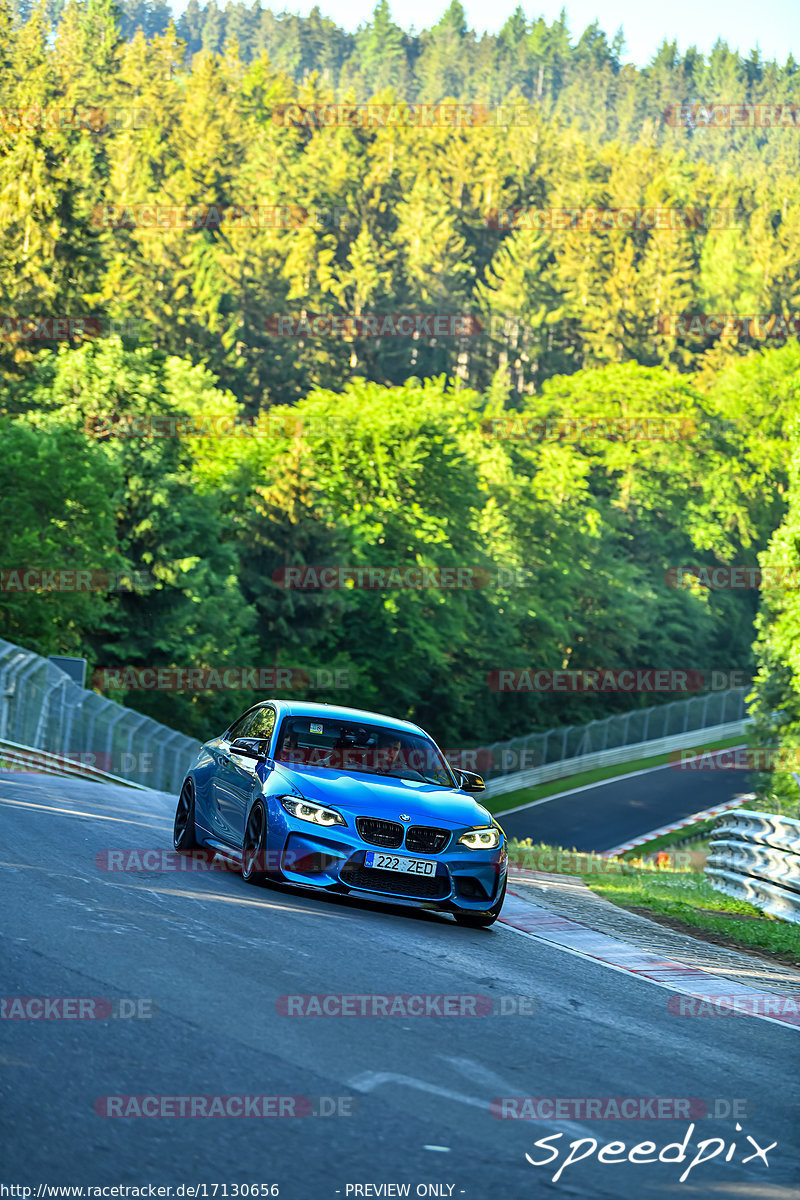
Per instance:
(755,856)
(629,730)
(42,709)
(620,754)
(28,758)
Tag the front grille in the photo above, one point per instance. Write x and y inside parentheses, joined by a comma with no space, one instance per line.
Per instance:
(426,840)
(380,833)
(421,887)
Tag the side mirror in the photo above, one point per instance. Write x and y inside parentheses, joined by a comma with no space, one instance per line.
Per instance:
(251,747)
(470,782)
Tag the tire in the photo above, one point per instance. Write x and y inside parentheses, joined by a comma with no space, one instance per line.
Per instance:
(184,833)
(482,920)
(254,846)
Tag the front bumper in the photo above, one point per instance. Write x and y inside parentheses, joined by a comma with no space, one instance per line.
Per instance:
(465,880)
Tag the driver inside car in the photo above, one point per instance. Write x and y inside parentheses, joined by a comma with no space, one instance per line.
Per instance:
(289,751)
(390,757)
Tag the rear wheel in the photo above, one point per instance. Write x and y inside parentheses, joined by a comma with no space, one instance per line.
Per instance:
(184,834)
(481,920)
(254,848)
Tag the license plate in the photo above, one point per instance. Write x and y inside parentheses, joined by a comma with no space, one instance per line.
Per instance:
(392,862)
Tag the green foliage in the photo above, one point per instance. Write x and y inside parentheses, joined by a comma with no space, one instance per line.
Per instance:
(379,218)
(389,451)
(57,514)
(776,693)
(568,535)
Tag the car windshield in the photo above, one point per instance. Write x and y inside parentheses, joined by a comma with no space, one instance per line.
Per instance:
(351,746)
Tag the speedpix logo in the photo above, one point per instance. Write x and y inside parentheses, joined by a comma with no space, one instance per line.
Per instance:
(615,1153)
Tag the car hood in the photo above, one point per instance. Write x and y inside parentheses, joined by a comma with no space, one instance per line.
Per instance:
(378,796)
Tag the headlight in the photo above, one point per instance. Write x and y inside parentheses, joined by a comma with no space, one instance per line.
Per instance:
(481,839)
(308,811)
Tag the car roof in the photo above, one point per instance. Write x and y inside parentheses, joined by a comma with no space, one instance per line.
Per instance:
(299,708)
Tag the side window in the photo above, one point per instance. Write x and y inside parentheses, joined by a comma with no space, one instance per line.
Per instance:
(263,723)
(242,726)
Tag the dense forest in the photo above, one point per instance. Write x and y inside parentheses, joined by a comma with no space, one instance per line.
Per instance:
(185,199)
(276,295)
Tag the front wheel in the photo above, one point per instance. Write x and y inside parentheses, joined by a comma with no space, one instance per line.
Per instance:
(482,920)
(254,847)
(184,834)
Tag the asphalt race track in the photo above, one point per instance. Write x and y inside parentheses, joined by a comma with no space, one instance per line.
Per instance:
(619,810)
(204,959)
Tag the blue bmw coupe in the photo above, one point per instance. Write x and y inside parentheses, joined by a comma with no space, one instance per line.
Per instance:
(349,802)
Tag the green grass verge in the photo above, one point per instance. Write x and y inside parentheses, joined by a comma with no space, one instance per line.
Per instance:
(680,898)
(688,900)
(669,839)
(556,860)
(498,804)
